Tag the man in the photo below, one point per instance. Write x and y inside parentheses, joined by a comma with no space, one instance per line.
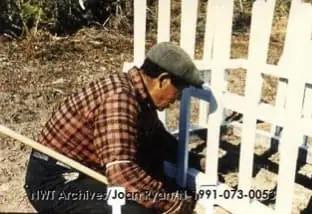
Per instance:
(112,127)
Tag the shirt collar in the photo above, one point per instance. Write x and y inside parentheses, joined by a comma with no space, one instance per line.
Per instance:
(138,84)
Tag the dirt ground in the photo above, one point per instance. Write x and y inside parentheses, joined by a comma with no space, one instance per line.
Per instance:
(36,74)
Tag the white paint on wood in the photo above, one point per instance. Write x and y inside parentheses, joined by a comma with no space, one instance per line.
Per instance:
(139,31)
(280,101)
(307,103)
(221,53)
(266,112)
(188,25)
(209,30)
(305,125)
(224,12)
(163,27)
(298,36)
(203,106)
(262,15)
(281,93)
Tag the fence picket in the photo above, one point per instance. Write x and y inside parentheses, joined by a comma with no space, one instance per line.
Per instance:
(222,44)
(283,83)
(307,103)
(307,108)
(279,104)
(298,37)
(139,31)
(188,25)
(209,30)
(163,26)
(262,15)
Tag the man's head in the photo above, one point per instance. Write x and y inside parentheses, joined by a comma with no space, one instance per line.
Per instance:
(167,70)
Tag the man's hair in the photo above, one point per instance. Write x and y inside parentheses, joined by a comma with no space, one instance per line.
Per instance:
(151,69)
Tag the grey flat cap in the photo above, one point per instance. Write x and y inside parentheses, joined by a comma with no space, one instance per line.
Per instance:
(175,61)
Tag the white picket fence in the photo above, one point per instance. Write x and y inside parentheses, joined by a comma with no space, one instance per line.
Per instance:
(292,110)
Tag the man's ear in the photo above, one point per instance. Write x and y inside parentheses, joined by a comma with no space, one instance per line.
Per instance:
(164,79)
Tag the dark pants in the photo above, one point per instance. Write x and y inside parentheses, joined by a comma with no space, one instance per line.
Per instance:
(47,188)
(48,191)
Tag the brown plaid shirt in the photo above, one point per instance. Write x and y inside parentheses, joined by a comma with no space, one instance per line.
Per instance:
(106,122)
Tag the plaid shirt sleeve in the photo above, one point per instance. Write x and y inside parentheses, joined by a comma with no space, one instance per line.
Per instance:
(115,134)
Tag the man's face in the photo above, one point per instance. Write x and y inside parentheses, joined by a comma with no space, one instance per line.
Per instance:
(168,96)
(166,91)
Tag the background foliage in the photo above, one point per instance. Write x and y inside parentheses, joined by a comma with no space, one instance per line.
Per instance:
(22,17)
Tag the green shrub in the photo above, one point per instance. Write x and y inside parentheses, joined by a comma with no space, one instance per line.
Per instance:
(30,14)
(18,17)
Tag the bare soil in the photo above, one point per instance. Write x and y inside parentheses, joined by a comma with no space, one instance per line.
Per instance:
(35,76)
